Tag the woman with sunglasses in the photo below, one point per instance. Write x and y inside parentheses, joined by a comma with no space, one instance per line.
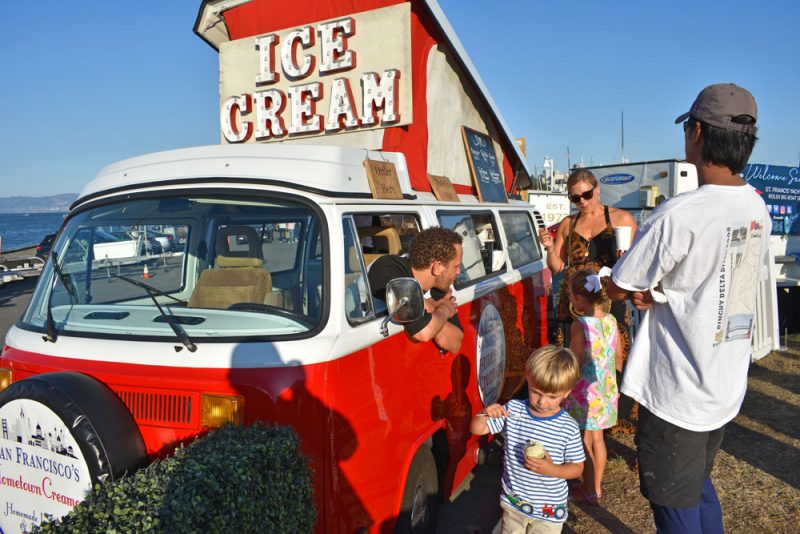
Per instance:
(586,240)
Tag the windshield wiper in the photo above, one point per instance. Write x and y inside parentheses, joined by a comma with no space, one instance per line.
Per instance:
(180,333)
(52,332)
(148,287)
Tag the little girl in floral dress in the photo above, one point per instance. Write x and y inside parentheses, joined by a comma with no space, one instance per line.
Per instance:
(593,401)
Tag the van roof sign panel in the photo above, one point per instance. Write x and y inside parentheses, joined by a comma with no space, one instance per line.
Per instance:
(445,98)
(324,168)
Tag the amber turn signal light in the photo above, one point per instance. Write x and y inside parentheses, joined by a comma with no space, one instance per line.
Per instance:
(6,378)
(218,410)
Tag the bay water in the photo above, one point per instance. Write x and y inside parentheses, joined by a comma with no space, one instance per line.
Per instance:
(21,230)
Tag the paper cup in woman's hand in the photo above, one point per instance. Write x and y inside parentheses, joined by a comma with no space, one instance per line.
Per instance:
(623,235)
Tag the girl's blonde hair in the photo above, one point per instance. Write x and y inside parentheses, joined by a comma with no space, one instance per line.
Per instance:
(578,283)
(553,369)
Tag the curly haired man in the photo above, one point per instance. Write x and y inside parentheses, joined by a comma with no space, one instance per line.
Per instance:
(434,260)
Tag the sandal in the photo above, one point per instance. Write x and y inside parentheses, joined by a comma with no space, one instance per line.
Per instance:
(582,496)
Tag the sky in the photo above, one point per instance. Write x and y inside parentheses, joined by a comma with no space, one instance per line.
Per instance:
(88,83)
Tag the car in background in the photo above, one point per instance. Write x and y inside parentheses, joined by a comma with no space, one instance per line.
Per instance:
(110,247)
(167,241)
(157,242)
(43,248)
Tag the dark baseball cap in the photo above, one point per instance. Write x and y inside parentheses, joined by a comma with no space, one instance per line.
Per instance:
(718,104)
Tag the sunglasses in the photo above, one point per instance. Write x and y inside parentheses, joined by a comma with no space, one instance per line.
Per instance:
(586,195)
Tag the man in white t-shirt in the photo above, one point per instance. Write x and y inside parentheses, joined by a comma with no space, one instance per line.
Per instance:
(703,253)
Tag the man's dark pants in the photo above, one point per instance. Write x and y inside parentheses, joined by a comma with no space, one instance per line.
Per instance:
(674,469)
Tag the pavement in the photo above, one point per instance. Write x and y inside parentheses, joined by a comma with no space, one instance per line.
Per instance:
(474,507)
(14,298)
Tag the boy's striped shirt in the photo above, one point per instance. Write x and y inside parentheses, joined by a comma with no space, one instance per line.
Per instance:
(538,496)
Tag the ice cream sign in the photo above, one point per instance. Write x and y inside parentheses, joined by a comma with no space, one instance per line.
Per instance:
(43,473)
(348,74)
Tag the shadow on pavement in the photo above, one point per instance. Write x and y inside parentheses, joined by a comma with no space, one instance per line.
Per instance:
(12,290)
(604,517)
(476,506)
(786,381)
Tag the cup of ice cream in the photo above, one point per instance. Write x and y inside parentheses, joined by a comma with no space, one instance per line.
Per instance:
(534,449)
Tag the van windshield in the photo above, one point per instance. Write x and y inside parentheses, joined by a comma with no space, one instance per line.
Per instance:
(215,267)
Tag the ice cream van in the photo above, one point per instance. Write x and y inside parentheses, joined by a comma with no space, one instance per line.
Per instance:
(346,128)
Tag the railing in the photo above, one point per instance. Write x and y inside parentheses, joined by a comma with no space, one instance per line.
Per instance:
(766,337)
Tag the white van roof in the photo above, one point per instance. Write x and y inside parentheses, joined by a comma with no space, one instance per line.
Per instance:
(327,170)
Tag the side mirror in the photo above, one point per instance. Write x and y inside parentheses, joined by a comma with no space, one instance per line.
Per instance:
(405,302)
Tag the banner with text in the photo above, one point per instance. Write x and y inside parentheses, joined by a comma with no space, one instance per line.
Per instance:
(779,186)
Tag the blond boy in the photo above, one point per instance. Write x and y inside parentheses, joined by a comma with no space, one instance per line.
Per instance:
(534,496)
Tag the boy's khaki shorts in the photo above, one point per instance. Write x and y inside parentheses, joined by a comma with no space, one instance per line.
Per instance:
(515,522)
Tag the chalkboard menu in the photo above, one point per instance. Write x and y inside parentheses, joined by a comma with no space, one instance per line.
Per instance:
(484,166)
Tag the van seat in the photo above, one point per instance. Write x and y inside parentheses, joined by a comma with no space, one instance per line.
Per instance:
(384,240)
(238,276)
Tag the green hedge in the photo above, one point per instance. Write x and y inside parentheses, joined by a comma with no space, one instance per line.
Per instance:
(235,479)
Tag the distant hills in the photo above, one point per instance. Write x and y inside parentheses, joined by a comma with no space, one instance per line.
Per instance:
(56,203)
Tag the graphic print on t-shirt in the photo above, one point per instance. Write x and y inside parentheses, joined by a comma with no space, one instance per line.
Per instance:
(738,277)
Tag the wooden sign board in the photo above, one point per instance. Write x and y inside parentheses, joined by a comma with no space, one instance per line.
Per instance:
(383,180)
(484,166)
(443,188)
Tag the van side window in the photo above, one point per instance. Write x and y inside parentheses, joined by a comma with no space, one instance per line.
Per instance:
(483,254)
(522,245)
(357,300)
(385,233)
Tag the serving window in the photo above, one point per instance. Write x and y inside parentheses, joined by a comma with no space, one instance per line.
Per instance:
(367,237)
(483,251)
(523,247)
(381,233)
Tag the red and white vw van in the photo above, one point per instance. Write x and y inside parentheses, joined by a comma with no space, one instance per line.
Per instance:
(262,310)
(244,296)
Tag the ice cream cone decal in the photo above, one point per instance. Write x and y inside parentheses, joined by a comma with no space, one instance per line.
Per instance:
(145,273)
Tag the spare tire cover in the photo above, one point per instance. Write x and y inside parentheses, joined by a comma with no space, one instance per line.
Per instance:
(60,433)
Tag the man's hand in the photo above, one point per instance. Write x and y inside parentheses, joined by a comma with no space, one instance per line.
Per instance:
(447,303)
(642,300)
(430,305)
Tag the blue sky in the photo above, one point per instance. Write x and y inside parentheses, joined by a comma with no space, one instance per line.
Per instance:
(88,83)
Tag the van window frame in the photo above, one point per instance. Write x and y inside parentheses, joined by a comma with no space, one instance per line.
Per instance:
(379,309)
(458,285)
(348,220)
(534,235)
(128,194)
